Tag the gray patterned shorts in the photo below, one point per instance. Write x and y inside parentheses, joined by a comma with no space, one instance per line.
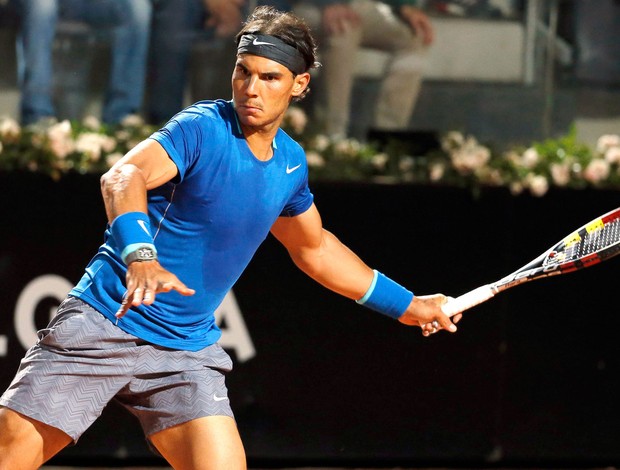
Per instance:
(82,361)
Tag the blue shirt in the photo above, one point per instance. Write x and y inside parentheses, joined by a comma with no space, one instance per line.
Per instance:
(207,223)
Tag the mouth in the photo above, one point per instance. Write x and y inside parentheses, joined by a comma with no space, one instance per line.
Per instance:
(250,107)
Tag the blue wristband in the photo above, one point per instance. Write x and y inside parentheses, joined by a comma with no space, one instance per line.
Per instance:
(386,296)
(131,231)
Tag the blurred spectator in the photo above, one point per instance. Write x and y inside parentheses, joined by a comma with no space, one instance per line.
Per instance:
(128,23)
(394,26)
(177,26)
(475,8)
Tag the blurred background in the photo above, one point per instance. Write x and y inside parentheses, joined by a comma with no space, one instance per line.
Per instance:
(530,380)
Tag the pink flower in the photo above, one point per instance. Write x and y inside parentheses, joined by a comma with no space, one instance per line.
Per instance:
(297,119)
(538,184)
(560,173)
(612,155)
(59,138)
(9,130)
(607,141)
(530,158)
(596,171)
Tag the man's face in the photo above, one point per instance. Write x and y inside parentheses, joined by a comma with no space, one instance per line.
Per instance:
(263,89)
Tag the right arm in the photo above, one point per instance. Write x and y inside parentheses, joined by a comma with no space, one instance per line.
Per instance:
(124,189)
(124,186)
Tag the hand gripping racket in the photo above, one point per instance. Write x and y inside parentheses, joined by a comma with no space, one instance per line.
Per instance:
(596,241)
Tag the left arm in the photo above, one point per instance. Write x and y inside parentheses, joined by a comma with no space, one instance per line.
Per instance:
(319,254)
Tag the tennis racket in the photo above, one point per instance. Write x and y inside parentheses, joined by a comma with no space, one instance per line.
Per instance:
(596,241)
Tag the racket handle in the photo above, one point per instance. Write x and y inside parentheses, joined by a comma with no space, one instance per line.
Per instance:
(468,300)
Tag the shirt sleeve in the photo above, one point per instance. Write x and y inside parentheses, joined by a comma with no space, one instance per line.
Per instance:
(302,198)
(182,139)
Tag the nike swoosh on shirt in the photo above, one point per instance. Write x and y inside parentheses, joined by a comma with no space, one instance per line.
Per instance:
(291,170)
(216,398)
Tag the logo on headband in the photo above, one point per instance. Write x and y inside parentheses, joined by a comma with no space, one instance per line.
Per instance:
(256,42)
(279,51)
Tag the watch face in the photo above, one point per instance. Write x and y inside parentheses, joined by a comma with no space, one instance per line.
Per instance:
(145,253)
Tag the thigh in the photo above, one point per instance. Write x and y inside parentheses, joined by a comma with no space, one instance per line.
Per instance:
(208,443)
(27,443)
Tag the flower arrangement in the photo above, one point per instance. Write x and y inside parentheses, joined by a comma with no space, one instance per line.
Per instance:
(56,148)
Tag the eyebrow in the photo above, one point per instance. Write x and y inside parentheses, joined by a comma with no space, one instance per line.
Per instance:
(274,73)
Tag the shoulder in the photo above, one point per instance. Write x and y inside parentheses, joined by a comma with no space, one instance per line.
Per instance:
(199,120)
(287,143)
(201,111)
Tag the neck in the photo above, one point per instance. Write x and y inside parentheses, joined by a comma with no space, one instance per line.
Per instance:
(260,142)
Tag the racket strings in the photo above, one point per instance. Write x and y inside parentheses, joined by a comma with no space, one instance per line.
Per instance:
(596,241)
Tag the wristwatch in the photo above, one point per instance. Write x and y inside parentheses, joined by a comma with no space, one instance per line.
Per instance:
(144,253)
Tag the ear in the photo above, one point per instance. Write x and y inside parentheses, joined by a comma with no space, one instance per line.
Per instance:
(301,83)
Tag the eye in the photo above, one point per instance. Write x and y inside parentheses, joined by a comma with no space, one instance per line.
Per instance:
(240,69)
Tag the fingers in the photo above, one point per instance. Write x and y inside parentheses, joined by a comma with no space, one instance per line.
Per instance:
(435,326)
(125,304)
(430,328)
(445,323)
(441,322)
(143,285)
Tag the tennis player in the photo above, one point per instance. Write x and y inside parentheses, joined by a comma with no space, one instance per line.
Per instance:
(187,209)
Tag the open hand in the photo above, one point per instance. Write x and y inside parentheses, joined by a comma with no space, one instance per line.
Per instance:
(146,279)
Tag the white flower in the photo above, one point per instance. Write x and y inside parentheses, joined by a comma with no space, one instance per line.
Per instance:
(538,184)
(321,142)
(596,171)
(93,144)
(530,158)
(92,122)
(90,144)
(297,119)
(606,141)
(470,158)
(122,134)
(113,158)
(315,159)
(612,155)
(9,129)
(516,188)
(132,120)
(560,173)
(452,140)
(108,144)
(347,147)
(59,139)
(436,171)
(379,160)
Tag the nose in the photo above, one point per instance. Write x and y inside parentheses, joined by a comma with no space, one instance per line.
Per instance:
(252,84)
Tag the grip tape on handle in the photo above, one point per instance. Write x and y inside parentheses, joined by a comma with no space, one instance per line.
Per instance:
(468,300)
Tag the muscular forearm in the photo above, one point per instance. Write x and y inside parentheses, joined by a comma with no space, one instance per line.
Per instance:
(336,267)
(124,186)
(124,190)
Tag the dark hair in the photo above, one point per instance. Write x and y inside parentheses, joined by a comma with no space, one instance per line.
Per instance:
(285,26)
